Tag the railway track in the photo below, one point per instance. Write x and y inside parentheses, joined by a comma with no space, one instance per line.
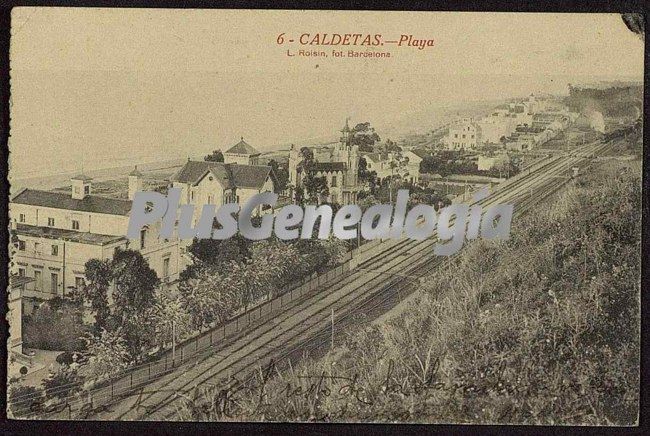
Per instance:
(302,327)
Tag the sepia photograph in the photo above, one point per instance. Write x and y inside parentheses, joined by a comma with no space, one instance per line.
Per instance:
(325,216)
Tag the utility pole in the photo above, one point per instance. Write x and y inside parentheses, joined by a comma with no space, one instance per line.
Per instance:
(332,328)
(173,341)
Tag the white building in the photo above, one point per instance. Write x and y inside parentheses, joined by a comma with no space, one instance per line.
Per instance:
(56,233)
(405,164)
(205,182)
(464,135)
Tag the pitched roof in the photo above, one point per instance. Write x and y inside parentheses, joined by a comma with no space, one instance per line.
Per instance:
(375,157)
(229,175)
(242,147)
(420,153)
(328,166)
(249,176)
(194,170)
(63,200)
(81,176)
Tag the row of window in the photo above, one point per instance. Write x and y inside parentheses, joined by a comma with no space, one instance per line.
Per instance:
(53,282)
(464,136)
(50,222)
(37,248)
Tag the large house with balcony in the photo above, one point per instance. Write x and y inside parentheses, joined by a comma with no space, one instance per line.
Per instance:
(54,233)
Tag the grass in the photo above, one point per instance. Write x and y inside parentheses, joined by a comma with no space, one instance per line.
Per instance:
(540,329)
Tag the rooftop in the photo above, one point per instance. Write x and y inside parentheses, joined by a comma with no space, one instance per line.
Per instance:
(328,166)
(242,147)
(67,235)
(81,176)
(229,175)
(63,200)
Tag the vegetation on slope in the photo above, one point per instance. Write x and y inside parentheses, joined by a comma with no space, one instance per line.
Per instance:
(541,329)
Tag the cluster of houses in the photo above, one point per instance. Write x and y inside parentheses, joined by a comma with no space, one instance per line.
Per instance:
(518,126)
(54,233)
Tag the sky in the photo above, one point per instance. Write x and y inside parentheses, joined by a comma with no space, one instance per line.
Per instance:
(100,87)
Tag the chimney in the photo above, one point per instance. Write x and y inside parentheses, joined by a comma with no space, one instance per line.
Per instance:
(81,186)
(135,182)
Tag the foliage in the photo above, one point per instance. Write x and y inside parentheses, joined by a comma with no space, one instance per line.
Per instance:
(62,383)
(23,400)
(541,329)
(218,253)
(135,284)
(447,162)
(205,298)
(215,156)
(316,188)
(108,354)
(170,313)
(364,136)
(281,175)
(95,293)
(50,329)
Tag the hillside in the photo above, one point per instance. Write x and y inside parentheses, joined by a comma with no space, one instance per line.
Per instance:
(542,329)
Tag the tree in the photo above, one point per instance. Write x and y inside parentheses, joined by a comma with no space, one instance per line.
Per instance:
(364,136)
(135,284)
(248,280)
(62,384)
(171,316)
(272,258)
(316,187)
(216,253)
(391,146)
(23,400)
(281,175)
(59,330)
(98,275)
(206,298)
(107,354)
(215,156)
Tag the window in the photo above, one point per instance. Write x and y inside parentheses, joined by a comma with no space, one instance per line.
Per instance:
(209,199)
(79,282)
(333,181)
(464,136)
(472,136)
(38,280)
(21,245)
(192,195)
(143,234)
(75,225)
(50,222)
(55,250)
(54,282)
(166,267)
(87,189)
(21,218)
(455,135)
(37,248)
(21,272)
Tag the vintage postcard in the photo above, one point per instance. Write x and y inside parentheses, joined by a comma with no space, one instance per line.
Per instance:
(325,216)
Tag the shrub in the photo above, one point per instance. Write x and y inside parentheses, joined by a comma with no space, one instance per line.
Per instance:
(24,400)
(50,329)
